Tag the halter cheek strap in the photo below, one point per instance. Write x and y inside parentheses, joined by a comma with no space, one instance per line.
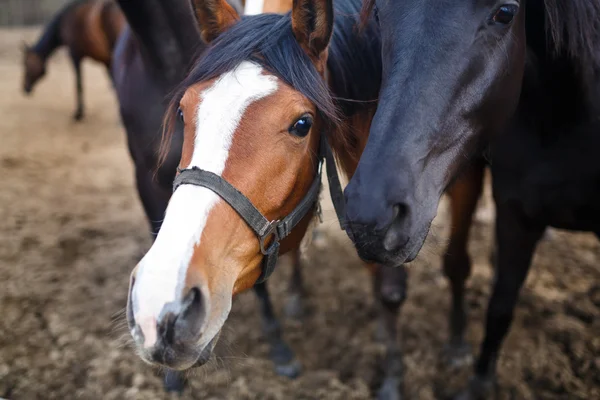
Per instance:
(263,228)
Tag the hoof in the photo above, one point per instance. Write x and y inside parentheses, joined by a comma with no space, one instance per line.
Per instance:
(479,388)
(174,381)
(290,370)
(390,390)
(458,355)
(294,307)
(285,361)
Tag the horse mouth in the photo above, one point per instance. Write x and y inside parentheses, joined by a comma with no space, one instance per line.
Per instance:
(371,249)
(177,357)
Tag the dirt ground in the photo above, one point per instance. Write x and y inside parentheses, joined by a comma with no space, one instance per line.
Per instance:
(72,229)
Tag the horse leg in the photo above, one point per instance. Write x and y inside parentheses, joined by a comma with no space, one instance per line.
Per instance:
(280,353)
(516,240)
(389,284)
(464,194)
(76,60)
(294,307)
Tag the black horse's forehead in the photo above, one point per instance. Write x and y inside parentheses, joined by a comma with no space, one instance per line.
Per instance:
(440,10)
(409,27)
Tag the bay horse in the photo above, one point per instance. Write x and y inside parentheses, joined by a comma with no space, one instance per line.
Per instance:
(259,108)
(88,28)
(534,66)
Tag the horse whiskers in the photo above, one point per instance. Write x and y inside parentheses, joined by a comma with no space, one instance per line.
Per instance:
(125,341)
(119,321)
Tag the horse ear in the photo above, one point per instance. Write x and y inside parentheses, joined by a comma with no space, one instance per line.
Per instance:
(312,23)
(214,17)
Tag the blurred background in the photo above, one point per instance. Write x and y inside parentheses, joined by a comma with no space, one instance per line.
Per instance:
(27,12)
(72,229)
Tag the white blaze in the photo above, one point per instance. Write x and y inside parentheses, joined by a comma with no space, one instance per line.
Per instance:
(161,273)
(254,7)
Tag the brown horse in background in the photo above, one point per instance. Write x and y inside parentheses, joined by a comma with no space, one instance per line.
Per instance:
(89,28)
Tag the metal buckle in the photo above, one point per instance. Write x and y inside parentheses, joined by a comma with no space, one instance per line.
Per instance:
(271,230)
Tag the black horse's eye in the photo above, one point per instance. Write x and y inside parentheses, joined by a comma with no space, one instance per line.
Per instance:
(180,114)
(505,14)
(301,127)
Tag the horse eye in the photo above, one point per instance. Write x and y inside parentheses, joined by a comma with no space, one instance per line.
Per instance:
(180,114)
(301,127)
(505,14)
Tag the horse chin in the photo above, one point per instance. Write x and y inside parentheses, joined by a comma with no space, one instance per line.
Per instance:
(414,248)
(406,254)
(206,352)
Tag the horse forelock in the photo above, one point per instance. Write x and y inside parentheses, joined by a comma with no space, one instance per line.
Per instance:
(267,40)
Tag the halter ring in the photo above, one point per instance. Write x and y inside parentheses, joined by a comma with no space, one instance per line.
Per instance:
(271,231)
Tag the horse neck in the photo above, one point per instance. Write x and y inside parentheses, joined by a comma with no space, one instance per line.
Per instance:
(352,138)
(50,39)
(167,34)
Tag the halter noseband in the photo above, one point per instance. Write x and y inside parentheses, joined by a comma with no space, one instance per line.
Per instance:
(262,227)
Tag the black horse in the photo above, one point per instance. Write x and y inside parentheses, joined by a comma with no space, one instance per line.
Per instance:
(452,73)
(527,71)
(545,167)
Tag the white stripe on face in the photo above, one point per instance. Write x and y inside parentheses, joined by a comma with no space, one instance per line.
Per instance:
(162,272)
(253,7)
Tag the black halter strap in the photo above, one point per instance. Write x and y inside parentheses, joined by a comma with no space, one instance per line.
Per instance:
(262,227)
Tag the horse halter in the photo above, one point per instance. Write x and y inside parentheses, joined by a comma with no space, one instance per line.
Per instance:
(262,227)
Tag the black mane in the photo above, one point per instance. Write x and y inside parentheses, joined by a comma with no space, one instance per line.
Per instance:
(267,39)
(573,28)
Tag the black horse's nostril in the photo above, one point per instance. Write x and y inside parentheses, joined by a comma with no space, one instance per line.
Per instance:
(398,232)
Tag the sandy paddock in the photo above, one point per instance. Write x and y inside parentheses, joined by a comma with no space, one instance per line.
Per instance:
(72,229)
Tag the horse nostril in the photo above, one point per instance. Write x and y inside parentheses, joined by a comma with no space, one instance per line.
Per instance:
(397,233)
(188,324)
